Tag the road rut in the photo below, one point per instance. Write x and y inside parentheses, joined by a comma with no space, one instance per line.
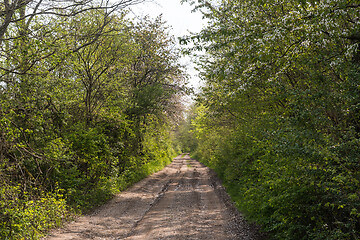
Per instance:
(183,201)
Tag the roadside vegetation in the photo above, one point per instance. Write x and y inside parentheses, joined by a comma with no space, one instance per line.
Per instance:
(88,98)
(278,116)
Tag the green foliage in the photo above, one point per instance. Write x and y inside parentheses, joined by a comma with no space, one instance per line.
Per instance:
(25,217)
(185,139)
(293,187)
(278,115)
(86,112)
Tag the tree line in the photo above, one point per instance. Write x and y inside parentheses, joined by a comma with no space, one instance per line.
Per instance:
(88,99)
(278,116)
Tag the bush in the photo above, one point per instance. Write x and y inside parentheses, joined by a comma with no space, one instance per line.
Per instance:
(294,187)
(24,216)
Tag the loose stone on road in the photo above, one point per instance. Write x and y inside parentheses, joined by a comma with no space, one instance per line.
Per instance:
(183,201)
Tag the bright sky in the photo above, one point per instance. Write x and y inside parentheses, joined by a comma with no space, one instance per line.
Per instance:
(182,20)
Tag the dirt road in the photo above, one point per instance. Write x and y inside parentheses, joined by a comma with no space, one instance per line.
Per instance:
(183,201)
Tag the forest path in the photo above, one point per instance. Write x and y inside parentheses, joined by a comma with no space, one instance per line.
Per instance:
(183,201)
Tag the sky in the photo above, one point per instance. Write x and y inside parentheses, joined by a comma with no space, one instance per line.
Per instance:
(180,18)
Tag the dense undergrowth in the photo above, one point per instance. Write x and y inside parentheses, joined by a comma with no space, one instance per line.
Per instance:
(293,190)
(278,115)
(28,212)
(87,106)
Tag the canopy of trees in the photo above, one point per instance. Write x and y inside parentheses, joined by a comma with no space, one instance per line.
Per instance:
(87,101)
(278,117)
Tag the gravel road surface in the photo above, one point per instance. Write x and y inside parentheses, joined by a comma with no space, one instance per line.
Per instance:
(183,201)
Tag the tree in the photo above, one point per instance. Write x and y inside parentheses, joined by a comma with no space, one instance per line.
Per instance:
(156,78)
(86,102)
(34,15)
(280,78)
(100,67)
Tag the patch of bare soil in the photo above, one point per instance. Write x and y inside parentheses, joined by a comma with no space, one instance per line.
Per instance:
(183,201)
